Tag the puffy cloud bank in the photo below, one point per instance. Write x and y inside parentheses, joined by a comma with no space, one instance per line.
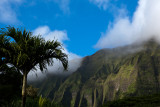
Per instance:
(144,24)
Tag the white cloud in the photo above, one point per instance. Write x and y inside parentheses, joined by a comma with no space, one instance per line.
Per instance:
(7,13)
(64,5)
(45,31)
(145,24)
(101,3)
(61,36)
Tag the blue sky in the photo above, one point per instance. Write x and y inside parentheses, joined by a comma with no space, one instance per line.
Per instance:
(80,23)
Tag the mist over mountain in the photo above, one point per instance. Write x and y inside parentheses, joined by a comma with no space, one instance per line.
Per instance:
(56,69)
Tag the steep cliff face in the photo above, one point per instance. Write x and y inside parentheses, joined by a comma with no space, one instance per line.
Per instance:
(107,75)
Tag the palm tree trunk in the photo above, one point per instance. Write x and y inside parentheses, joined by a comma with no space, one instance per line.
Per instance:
(24,89)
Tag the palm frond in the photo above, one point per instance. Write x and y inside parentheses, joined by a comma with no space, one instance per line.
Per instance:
(27,51)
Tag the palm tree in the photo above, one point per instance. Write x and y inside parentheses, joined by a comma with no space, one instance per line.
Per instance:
(27,53)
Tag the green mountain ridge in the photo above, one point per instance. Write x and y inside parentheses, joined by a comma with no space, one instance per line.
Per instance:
(107,75)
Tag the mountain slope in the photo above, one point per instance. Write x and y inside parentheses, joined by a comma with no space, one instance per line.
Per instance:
(109,74)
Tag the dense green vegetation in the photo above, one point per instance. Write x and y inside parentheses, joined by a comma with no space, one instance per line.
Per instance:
(107,75)
(141,101)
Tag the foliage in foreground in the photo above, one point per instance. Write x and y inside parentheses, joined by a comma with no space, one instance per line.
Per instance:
(33,102)
(142,101)
(10,84)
